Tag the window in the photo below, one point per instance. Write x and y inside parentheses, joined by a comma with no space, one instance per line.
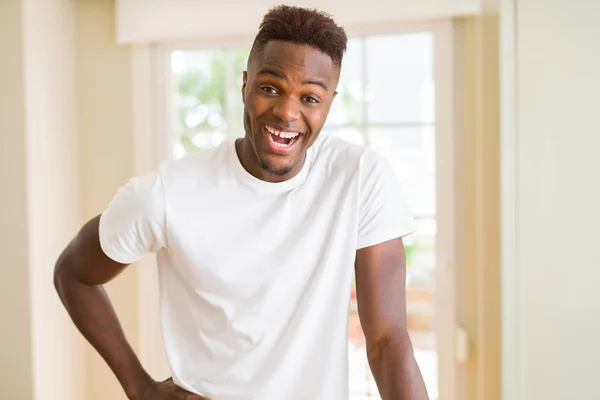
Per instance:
(386,101)
(207,104)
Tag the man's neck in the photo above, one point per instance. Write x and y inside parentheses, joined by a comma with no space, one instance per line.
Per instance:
(247,157)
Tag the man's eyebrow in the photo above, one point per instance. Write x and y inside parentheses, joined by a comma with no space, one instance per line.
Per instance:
(273,72)
(269,71)
(318,83)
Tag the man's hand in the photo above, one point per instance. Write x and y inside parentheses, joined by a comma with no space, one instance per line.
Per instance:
(168,390)
(79,274)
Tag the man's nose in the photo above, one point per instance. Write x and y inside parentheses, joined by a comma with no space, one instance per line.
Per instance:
(287,108)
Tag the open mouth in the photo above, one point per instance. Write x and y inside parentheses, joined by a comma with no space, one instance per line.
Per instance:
(281,140)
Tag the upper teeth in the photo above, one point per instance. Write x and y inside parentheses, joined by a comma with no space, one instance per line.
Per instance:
(287,135)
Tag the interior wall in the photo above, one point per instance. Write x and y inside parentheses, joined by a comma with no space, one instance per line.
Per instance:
(104,92)
(552,193)
(53,192)
(42,356)
(16,369)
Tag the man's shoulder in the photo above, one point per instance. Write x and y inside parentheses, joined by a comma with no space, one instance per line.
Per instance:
(338,158)
(339,152)
(339,147)
(195,164)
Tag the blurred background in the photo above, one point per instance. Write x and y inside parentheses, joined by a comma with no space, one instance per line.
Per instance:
(487,110)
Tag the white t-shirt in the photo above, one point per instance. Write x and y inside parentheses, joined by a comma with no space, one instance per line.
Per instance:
(255,277)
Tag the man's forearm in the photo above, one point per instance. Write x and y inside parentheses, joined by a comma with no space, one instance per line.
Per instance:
(395,369)
(93,314)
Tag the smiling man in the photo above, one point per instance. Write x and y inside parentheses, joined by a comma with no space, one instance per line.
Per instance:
(288,90)
(257,242)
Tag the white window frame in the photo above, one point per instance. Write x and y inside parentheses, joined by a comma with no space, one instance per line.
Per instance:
(153,140)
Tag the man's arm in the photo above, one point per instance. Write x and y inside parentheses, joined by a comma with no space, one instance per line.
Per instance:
(380,289)
(79,274)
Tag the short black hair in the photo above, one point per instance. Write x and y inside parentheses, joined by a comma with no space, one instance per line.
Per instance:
(302,26)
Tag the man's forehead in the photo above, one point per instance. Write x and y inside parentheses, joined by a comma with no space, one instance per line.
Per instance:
(299,57)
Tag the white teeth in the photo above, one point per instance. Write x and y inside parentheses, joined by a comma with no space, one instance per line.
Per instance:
(287,135)
(292,141)
(281,144)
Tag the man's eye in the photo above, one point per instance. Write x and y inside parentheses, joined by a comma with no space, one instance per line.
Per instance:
(269,89)
(311,99)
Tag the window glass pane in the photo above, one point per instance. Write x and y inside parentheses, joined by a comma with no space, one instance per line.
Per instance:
(238,62)
(400,78)
(411,151)
(199,80)
(420,289)
(347,108)
(207,99)
(191,142)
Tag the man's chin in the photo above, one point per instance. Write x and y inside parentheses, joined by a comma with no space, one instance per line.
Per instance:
(278,170)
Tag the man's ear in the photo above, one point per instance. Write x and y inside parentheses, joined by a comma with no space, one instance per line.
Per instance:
(244,81)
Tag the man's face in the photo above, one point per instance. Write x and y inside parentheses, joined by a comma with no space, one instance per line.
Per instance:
(287,92)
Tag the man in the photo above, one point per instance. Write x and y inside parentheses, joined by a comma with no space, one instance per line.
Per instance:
(257,242)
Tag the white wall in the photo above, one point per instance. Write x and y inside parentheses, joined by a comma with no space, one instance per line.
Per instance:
(53,191)
(15,337)
(41,354)
(552,200)
(157,20)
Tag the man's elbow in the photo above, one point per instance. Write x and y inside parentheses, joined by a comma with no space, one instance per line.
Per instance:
(395,338)
(63,271)
(60,268)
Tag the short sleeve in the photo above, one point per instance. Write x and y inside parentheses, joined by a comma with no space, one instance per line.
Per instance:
(133,224)
(384,214)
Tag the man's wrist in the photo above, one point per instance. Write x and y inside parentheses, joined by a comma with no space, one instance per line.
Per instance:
(136,392)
